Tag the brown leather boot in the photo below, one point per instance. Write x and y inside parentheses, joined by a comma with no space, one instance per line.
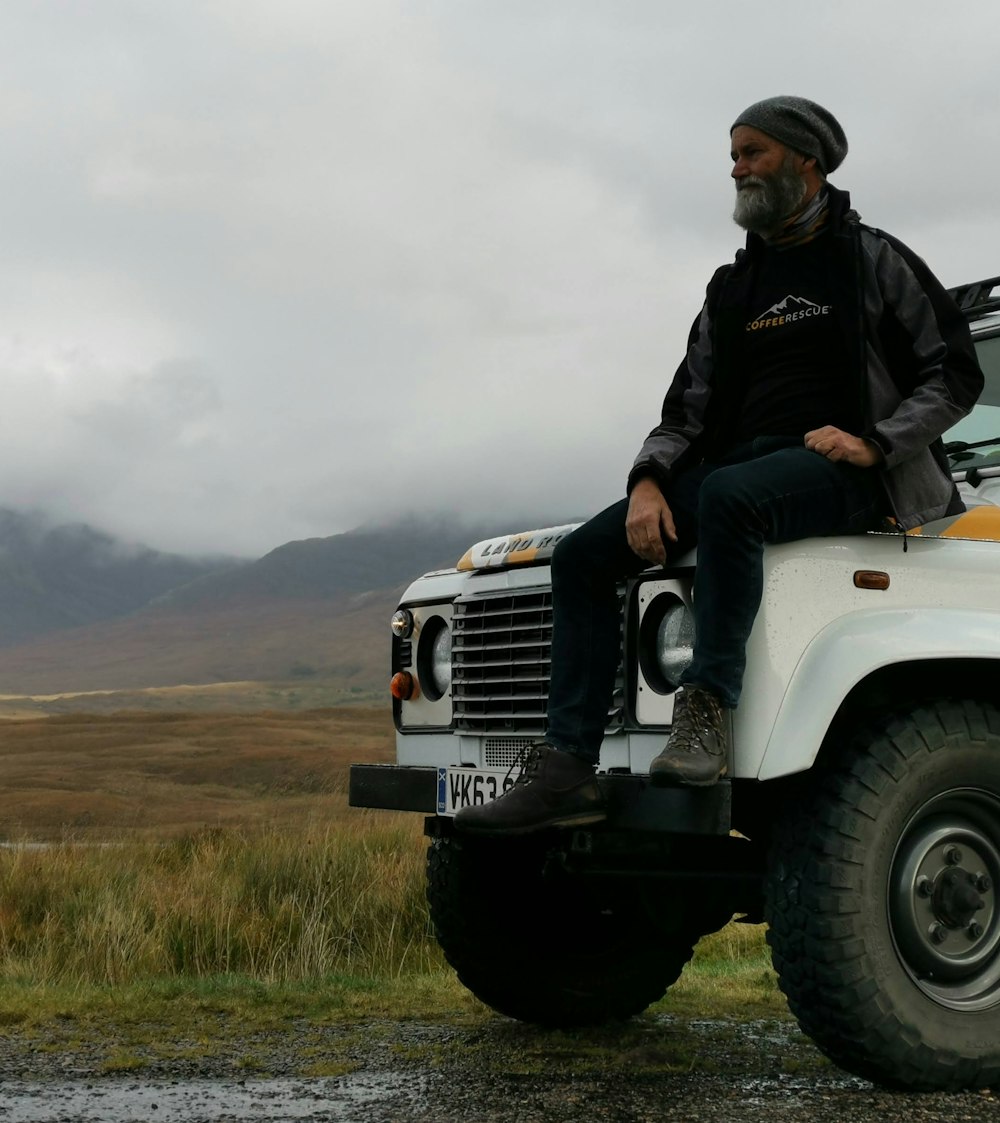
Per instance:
(555,789)
(697,750)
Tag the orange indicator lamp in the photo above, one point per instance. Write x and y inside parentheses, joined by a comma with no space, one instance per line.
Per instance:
(403,686)
(871,579)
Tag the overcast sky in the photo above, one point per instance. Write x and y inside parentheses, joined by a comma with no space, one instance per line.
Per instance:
(275,268)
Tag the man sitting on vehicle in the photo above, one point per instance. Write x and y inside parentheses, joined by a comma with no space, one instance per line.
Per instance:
(822,370)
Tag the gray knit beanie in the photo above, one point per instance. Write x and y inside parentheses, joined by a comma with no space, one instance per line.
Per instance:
(802,125)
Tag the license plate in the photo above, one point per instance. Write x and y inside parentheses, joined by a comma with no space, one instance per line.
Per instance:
(469,787)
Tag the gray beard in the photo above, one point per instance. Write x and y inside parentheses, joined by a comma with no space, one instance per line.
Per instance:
(762,205)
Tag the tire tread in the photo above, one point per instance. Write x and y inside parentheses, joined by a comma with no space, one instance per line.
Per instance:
(538,977)
(814,910)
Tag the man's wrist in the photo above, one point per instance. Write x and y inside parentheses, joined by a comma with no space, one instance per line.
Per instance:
(645,483)
(875,449)
(874,438)
(643,475)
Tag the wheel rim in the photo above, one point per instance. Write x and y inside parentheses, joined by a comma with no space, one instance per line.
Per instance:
(943,908)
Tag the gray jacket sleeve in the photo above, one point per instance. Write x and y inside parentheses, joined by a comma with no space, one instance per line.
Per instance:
(923,375)
(683,415)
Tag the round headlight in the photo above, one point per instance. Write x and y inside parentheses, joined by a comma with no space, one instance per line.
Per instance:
(666,643)
(441,661)
(402,623)
(675,643)
(434,658)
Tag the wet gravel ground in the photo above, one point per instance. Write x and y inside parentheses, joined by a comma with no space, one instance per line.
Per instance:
(658,1068)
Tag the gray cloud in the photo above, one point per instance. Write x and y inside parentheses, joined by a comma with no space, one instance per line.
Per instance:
(274,270)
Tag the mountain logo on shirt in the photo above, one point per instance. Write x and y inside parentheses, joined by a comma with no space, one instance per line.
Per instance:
(788,311)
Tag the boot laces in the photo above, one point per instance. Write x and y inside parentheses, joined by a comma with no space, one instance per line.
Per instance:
(529,760)
(699,725)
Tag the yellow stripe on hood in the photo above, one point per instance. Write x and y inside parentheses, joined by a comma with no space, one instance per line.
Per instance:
(514,549)
(981,524)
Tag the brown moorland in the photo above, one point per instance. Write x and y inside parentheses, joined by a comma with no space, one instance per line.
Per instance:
(159,775)
(343,643)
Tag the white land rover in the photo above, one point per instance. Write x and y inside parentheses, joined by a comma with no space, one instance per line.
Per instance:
(861,818)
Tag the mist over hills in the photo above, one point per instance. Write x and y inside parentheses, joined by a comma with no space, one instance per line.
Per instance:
(84,612)
(54,577)
(325,568)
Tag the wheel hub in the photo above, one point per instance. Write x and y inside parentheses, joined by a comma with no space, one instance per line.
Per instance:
(942,899)
(955,897)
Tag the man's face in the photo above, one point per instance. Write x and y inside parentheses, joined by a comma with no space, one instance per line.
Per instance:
(770,187)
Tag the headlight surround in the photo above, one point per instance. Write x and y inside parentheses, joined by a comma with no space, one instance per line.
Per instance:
(434,658)
(666,642)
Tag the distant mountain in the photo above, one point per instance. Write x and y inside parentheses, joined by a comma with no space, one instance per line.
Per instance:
(329,568)
(54,577)
(343,641)
(315,610)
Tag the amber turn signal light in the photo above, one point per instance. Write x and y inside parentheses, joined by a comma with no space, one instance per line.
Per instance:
(871,579)
(403,686)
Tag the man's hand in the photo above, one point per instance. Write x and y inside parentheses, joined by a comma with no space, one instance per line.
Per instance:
(835,444)
(648,521)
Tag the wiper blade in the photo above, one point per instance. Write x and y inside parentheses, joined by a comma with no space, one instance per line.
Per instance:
(962,450)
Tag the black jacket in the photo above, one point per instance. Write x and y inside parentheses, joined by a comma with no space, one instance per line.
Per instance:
(911,355)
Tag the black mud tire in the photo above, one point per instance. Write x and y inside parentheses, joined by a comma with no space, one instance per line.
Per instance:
(882,903)
(555,950)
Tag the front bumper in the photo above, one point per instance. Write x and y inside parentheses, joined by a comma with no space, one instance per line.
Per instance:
(633,803)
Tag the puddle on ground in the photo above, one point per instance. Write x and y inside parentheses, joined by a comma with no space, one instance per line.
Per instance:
(203,1101)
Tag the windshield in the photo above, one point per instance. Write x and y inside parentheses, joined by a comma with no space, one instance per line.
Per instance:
(983,424)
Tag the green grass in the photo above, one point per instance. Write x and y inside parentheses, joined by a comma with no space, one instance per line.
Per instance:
(730,976)
(224,931)
(119,1029)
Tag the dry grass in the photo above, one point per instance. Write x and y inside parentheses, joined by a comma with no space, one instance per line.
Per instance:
(340,906)
(277,907)
(219,698)
(230,851)
(131,775)
(235,862)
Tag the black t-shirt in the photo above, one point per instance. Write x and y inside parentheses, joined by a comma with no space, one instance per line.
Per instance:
(795,367)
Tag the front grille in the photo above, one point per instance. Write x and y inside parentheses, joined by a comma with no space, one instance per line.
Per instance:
(504,752)
(501,646)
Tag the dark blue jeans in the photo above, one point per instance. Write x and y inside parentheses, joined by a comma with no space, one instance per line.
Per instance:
(772,489)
